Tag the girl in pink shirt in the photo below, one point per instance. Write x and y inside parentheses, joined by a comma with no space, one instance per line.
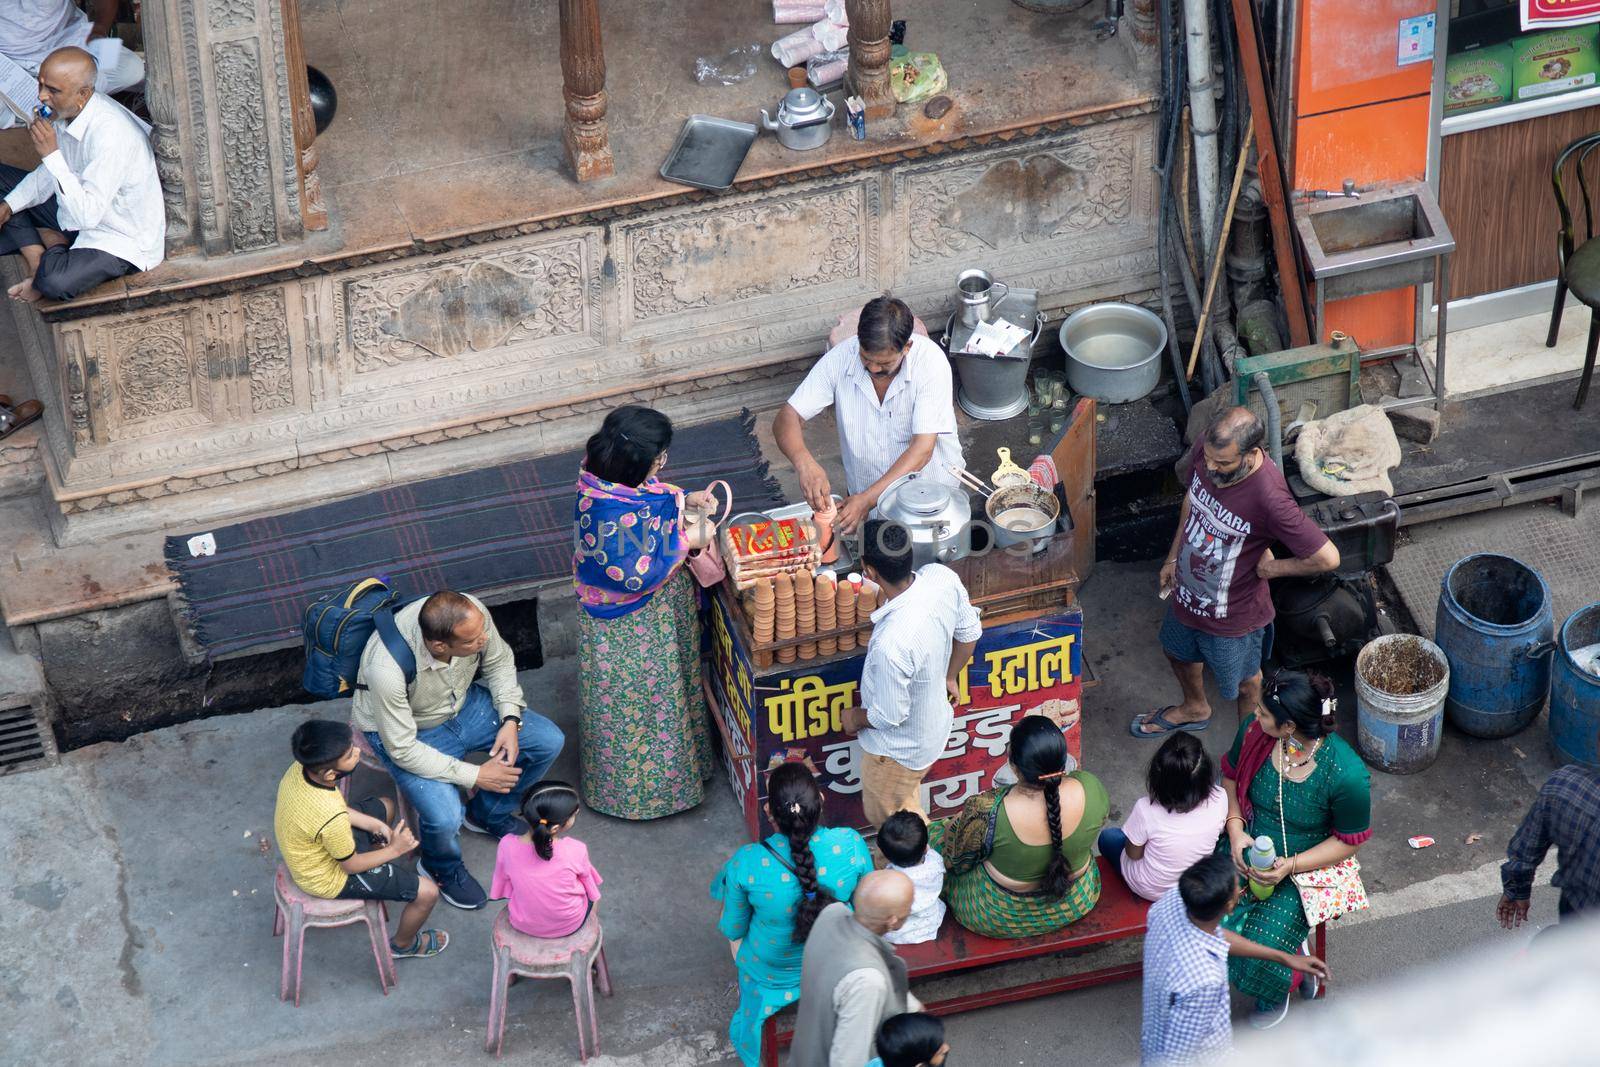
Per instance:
(546,878)
(1176,824)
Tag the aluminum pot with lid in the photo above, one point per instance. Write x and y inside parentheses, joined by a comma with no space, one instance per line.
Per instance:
(937,517)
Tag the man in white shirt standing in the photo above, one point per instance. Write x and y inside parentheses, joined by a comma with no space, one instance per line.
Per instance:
(92,210)
(31,29)
(893,399)
(921,638)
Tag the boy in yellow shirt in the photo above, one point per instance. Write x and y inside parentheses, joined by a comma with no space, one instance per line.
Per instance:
(348,852)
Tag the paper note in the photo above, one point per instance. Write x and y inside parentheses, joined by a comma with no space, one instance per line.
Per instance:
(994,338)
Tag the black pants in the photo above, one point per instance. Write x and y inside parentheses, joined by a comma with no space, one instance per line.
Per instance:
(63,272)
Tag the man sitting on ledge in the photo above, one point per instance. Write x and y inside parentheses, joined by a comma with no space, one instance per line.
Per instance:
(31,29)
(92,210)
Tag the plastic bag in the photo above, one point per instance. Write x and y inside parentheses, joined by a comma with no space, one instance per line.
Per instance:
(916,76)
(827,67)
(731,69)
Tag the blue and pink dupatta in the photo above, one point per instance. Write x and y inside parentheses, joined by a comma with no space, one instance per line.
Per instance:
(627,543)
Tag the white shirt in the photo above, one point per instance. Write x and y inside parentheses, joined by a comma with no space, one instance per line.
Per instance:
(32,29)
(873,434)
(103,176)
(927,910)
(908,656)
(859,1003)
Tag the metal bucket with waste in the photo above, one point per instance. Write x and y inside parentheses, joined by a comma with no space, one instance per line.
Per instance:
(1397,731)
(1575,689)
(1495,626)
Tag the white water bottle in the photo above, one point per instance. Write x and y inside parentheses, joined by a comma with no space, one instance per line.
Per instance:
(1261,855)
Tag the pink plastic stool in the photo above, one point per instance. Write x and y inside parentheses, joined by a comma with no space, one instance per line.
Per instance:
(299,910)
(576,958)
(370,760)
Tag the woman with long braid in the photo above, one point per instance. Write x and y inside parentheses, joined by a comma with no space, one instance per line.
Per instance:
(771,892)
(1020,858)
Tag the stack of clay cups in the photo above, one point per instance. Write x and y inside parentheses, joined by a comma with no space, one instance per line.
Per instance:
(783,590)
(845,606)
(805,612)
(826,593)
(866,604)
(763,617)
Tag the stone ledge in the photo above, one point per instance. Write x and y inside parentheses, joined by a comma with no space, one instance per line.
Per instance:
(118,298)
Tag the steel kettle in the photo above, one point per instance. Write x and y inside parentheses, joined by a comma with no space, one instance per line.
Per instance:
(805,119)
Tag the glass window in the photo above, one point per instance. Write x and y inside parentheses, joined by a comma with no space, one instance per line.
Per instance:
(1491,62)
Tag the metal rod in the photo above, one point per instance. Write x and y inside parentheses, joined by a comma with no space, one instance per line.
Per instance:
(1273,188)
(1216,262)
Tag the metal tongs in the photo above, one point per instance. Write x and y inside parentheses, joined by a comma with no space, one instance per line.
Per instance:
(970,480)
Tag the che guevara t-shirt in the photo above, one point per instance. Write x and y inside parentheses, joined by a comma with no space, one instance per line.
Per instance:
(1217,588)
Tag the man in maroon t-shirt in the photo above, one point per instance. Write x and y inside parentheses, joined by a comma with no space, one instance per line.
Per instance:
(1220,616)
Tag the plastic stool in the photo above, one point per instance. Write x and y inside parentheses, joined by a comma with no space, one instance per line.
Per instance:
(298,910)
(576,958)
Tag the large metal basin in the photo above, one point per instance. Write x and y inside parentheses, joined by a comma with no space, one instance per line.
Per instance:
(1113,351)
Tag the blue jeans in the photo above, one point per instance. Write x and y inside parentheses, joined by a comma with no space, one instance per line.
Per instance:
(1112,842)
(438,804)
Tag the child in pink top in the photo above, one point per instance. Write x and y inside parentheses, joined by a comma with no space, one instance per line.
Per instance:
(546,878)
(1175,825)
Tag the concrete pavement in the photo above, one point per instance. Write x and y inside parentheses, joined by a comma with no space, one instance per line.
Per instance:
(135,898)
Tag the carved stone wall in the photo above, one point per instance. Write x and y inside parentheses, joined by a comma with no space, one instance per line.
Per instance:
(678,301)
(218,93)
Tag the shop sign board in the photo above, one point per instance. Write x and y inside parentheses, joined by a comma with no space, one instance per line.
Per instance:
(1029,667)
(1546,14)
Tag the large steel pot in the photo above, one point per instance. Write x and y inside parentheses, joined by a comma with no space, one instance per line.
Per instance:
(1113,351)
(937,517)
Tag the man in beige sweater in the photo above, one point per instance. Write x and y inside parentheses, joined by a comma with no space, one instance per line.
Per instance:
(464,698)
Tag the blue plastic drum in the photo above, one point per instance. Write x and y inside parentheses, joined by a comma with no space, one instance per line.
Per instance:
(1495,627)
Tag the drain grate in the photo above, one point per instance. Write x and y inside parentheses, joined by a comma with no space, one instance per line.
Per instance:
(22,739)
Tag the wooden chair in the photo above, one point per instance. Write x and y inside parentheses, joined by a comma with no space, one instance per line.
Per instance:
(1580,263)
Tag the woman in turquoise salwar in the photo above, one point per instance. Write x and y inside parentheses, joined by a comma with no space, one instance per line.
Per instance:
(1289,777)
(771,892)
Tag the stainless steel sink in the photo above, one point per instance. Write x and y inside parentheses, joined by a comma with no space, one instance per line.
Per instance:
(1386,239)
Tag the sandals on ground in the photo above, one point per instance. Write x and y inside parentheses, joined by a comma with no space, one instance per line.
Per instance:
(1166,725)
(428,943)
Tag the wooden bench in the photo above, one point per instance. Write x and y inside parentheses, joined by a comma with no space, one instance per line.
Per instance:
(1119,914)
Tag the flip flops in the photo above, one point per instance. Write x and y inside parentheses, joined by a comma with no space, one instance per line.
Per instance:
(1167,726)
(13,419)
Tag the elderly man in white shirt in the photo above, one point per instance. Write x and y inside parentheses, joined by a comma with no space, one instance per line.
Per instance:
(31,29)
(895,405)
(92,210)
(922,636)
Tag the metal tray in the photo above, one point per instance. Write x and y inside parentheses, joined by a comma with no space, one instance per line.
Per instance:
(708,152)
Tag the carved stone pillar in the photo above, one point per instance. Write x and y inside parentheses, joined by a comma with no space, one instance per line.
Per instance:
(313,213)
(583,85)
(868,76)
(218,92)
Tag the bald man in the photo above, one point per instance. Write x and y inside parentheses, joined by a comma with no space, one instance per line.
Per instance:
(92,210)
(31,29)
(850,978)
(1220,610)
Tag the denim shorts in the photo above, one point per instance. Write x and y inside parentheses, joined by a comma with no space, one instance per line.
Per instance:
(1231,659)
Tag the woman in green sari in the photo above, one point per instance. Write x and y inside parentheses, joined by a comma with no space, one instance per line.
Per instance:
(1291,778)
(1019,859)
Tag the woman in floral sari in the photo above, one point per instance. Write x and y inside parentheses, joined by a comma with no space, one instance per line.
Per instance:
(1289,777)
(644,741)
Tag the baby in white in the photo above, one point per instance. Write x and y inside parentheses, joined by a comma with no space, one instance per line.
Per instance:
(903,840)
